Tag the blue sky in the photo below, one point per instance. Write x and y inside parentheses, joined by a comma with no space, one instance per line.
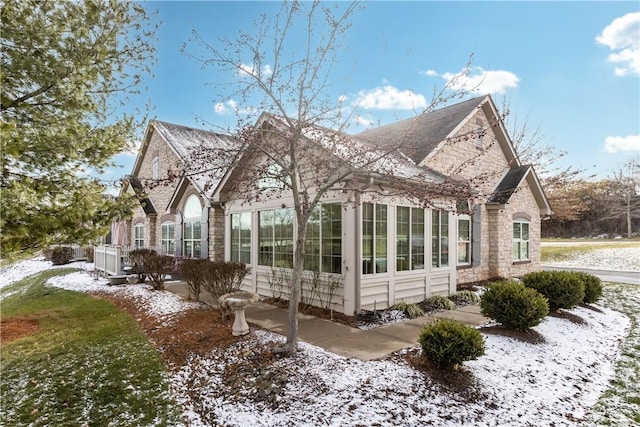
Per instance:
(572,67)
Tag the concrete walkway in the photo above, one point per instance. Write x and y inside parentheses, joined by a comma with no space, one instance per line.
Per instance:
(344,340)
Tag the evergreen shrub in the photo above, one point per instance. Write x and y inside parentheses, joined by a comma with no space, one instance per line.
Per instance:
(563,289)
(447,343)
(514,305)
(592,287)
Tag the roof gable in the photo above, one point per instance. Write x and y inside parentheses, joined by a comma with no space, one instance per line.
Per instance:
(184,141)
(419,136)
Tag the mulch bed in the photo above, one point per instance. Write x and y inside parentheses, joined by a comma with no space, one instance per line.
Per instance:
(193,332)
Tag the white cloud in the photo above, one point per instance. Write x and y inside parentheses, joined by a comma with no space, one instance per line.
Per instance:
(430,73)
(622,37)
(133,149)
(227,107)
(390,98)
(246,69)
(616,144)
(484,81)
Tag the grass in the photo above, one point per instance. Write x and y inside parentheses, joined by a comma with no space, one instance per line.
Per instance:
(565,252)
(619,404)
(89,363)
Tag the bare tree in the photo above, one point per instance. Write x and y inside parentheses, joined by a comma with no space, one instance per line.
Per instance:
(298,150)
(625,193)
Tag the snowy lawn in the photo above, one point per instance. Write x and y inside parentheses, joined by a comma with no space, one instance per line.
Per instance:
(564,381)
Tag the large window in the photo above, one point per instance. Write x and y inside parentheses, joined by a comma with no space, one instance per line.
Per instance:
(241,237)
(275,238)
(439,239)
(192,228)
(374,238)
(520,241)
(138,235)
(464,240)
(409,238)
(323,245)
(168,238)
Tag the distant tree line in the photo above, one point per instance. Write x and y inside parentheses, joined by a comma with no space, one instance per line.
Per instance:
(592,208)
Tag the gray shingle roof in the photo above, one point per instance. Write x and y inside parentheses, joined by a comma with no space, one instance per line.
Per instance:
(420,135)
(185,141)
(138,189)
(509,184)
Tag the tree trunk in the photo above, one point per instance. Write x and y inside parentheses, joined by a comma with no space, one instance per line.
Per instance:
(629,214)
(296,288)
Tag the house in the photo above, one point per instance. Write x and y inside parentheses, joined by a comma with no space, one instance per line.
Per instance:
(372,248)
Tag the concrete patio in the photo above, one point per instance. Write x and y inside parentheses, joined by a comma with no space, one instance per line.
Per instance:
(344,340)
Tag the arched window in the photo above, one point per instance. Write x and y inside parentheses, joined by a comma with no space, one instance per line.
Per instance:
(192,228)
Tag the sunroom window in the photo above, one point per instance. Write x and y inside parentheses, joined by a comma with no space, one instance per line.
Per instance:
(241,237)
(439,239)
(323,245)
(409,238)
(275,238)
(374,238)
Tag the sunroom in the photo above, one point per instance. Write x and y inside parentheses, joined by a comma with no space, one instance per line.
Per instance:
(379,253)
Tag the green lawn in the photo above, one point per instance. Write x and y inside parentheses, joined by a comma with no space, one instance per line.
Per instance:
(567,249)
(88,364)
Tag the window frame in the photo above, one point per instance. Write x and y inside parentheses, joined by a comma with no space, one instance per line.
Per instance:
(323,243)
(168,239)
(277,257)
(378,239)
(138,235)
(192,229)
(414,228)
(467,242)
(439,240)
(240,244)
(517,241)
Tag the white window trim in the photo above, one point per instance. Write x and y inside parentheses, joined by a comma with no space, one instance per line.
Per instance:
(138,236)
(521,240)
(411,268)
(440,239)
(467,218)
(163,240)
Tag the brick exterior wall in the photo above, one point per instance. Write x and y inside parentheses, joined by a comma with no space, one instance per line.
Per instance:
(216,233)
(160,195)
(484,168)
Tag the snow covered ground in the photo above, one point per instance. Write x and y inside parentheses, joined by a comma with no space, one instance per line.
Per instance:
(514,384)
(617,259)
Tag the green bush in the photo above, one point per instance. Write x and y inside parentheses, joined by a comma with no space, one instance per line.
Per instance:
(195,271)
(223,278)
(562,289)
(157,267)
(410,310)
(440,302)
(592,287)
(465,297)
(447,343)
(514,305)
(61,255)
